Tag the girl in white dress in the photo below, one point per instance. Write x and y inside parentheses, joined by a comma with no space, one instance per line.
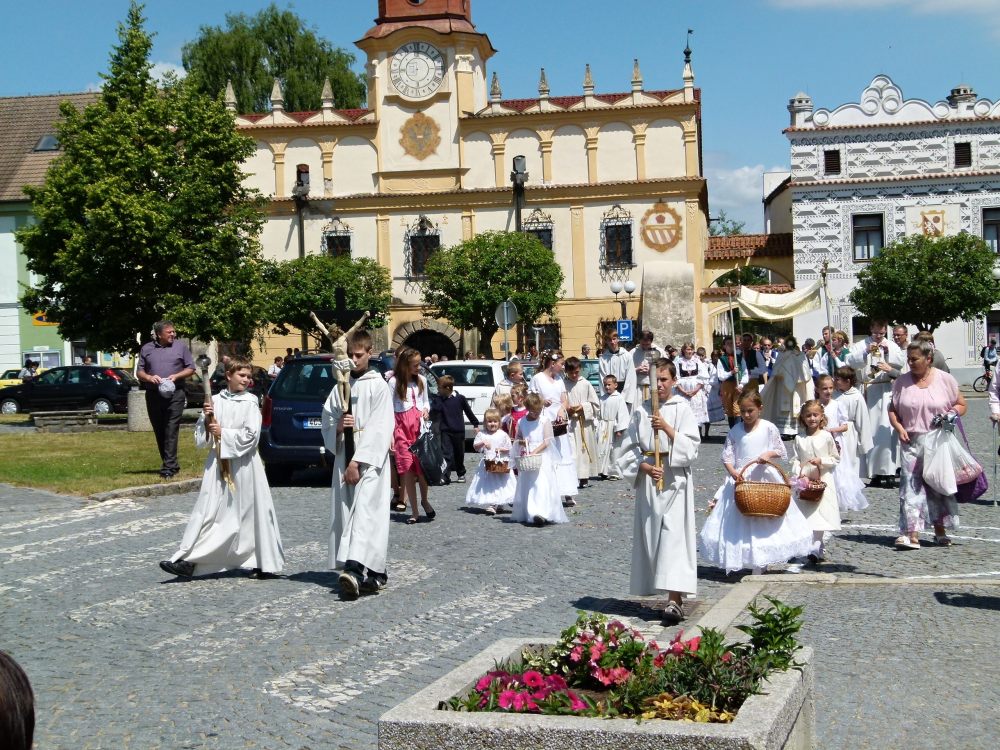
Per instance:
(490,489)
(858,438)
(815,456)
(692,383)
(536,498)
(733,541)
(716,413)
(850,488)
(550,385)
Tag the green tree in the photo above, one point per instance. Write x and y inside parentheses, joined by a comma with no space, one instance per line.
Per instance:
(303,285)
(144,216)
(927,281)
(253,51)
(465,283)
(745,276)
(723,226)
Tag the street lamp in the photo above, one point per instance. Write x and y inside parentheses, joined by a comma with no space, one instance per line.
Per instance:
(517,178)
(300,194)
(617,288)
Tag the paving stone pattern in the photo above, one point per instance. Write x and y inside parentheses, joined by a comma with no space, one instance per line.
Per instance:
(123,656)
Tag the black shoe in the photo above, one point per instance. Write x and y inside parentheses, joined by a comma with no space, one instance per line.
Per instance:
(672,614)
(181,568)
(538,521)
(259,575)
(371,585)
(168,473)
(349,586)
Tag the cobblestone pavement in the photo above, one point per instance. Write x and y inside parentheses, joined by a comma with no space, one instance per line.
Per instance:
(123,656)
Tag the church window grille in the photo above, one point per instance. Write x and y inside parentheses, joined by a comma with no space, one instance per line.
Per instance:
(868,236)
(831,161)
(337,239)
(616,239)
(423,239)
(540,225)
(963,155)
(991,228)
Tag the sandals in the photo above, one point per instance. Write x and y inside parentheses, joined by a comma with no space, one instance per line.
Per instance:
(672,614)
(942,541)
(428,511)
(411,520)
(904,542)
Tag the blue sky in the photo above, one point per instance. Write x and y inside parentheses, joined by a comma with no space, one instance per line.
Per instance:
(750,56)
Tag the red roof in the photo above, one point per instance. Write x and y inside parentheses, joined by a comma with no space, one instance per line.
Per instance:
(565,102)
(724,291)
(749,246)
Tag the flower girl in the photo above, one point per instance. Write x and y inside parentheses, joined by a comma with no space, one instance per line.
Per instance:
(536,499)
(858,439)
(815,458)
(731,540)
(850,488)
(491,489)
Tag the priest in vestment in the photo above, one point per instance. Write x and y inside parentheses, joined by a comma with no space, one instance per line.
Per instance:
(359,532)
(664,549)
(874,359)
(790,386)
(584,406)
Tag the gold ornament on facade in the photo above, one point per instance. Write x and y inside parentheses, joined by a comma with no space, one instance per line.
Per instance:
(932,223)
(661,227)
(420,136)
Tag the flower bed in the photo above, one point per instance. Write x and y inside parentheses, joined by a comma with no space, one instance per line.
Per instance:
(752,694)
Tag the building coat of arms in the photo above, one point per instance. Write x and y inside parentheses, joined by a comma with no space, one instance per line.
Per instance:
(932,223)
(420,136)
(661,227)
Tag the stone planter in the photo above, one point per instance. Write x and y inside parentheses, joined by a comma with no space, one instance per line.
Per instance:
(783,717)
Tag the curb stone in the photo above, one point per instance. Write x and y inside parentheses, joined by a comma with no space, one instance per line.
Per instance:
(148,490)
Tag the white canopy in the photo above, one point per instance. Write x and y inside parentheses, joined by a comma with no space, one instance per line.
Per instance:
(761,306)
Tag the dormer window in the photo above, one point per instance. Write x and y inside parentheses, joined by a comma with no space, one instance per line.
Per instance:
(47,142)
(963,155)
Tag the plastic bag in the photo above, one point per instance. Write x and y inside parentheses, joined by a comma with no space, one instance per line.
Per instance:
(427,450)
(947,463)
(971,490)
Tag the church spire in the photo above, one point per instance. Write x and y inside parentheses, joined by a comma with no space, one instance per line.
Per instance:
(277,97)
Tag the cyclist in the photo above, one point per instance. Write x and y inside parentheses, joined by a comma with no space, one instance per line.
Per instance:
(990,358)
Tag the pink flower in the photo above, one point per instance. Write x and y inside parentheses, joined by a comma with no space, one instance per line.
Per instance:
(523,702)
(615,675)
(692,644)
(533,679)
(596,651)
(727,656)
(556,681)
(659,659)
(576,654)
(575,703)
(507,699)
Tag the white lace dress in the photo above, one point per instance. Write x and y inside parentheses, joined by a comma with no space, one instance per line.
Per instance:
(733,541)
(488,489)
(690,374)
(537,493)
(563,448)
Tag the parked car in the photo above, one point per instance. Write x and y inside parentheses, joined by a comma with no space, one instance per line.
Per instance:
(290,436)
(475,379)
(194,391)
(10,377)
(103,389)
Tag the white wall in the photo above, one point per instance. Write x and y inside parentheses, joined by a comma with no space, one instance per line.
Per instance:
(664,149)
(569,156)
(479,161)
(615,153)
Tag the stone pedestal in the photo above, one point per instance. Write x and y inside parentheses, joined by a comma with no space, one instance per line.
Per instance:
(667,304)
(138,417)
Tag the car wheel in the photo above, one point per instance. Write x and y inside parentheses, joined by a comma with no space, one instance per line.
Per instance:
(278,474)
(9,406)
(102,406)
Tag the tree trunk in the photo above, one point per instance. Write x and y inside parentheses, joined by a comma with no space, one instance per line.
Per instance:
(486,334)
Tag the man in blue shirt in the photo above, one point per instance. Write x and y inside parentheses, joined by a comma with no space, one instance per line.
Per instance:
(164,363)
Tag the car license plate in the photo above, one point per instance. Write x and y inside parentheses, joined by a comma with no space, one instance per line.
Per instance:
(313,423)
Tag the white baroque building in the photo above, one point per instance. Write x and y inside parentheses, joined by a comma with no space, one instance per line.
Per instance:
(869,172)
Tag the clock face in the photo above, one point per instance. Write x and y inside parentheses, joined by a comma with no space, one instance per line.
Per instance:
(417,70)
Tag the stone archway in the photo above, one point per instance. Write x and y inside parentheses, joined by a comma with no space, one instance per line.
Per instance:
(428,336)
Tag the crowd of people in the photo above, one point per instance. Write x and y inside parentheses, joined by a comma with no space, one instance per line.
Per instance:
(843,415)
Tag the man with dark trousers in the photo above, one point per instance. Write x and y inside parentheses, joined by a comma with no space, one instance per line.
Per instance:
(446,413)
(164,363)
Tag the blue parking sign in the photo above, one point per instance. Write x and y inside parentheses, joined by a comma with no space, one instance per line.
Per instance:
(624,330)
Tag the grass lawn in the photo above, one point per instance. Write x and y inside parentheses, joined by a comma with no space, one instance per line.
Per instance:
(82,463)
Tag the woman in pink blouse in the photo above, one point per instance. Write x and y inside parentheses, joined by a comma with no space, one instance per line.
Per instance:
(917,397)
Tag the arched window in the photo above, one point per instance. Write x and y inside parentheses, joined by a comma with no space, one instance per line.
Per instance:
(337,239)
(423,238)
(540,225)
(616,238)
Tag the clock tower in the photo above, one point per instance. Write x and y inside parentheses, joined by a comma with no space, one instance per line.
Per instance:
(426,69)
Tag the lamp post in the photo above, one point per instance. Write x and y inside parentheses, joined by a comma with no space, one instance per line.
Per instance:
(518,177)
(300,194)
(617,288)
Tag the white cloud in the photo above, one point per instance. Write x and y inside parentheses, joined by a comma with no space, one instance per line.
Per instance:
(159,69)
(738,191)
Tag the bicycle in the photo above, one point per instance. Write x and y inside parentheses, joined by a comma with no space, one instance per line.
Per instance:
(982,383)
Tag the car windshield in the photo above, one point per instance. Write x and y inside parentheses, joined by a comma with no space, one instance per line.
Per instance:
(468,374)
(304,381)
(9,374)
(52,377)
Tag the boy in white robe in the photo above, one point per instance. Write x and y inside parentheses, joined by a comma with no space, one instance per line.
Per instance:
(233,524)
(664,549)
(611,428)
(618,362)
(362,485)
(584,406)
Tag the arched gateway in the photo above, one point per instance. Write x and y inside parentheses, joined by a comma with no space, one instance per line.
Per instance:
(428,337)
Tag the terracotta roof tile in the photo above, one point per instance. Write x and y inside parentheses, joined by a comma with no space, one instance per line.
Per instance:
(714,292)
(23,121)
(749,246)
(813,184)
(565,102)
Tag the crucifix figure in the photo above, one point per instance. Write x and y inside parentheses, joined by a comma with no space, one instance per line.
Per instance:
(342,317)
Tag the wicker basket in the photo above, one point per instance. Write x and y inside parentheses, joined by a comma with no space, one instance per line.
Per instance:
(763,499)
(496,467)
(813,491)
(529,463)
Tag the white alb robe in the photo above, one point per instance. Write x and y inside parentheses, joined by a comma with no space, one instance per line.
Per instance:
(790,386)
(359,529)
(622,366)
(664,545)
(881,460)
(233,527)
(614,418)
(582,393)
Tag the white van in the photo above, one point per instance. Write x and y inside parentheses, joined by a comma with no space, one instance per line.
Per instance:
(475,379)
